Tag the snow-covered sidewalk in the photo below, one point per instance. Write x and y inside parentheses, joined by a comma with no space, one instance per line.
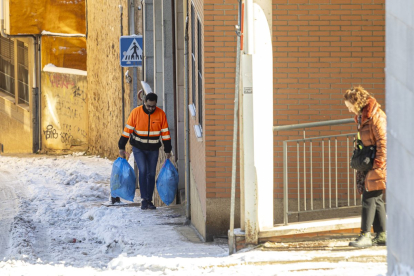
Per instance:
(59,227)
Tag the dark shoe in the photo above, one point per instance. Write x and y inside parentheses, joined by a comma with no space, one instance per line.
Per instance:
(151,206)
(380,239)
(115,200)
(144,204)
(363,240)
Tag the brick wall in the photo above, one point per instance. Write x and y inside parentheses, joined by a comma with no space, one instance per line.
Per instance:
(321,48)
(220,62)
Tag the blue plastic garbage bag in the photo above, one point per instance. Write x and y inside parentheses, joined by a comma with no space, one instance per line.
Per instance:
(123,180)
(167,182)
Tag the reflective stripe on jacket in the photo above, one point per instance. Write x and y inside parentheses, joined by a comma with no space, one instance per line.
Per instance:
(144,130)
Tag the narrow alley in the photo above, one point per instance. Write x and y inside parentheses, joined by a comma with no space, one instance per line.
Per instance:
(58,226)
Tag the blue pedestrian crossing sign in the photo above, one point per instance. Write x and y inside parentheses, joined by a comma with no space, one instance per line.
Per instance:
(131,50)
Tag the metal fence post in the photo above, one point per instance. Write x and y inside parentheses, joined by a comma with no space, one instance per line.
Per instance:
(285,184)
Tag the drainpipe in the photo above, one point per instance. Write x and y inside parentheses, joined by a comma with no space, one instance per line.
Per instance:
(134,96)
(122,73)
(235,125)
(36,81)
(173,10)
(187,127)
(143,39)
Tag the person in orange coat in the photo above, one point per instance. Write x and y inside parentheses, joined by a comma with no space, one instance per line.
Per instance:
(372,123)
(145,125)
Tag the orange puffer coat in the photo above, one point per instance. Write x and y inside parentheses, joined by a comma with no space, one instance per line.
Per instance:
(373,131)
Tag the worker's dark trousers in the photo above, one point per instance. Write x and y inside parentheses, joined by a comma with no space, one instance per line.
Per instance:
(373,212)
(147,165)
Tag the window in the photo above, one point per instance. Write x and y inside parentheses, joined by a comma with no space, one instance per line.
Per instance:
(23,72)
(14,80)
(200,74)
(7,85)
(193,63)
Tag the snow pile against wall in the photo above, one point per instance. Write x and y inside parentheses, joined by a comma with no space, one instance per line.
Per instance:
(54,69)
(400,133)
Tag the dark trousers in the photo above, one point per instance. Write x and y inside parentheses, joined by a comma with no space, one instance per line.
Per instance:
(373,212)
(147,165)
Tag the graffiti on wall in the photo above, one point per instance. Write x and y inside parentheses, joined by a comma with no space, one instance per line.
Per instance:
(50,132)
(61,81)
(79,93)
(64,110)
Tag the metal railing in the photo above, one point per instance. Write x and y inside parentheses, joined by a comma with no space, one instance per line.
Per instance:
(323,187)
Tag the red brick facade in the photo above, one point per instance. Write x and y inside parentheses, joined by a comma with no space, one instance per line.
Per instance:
(220,62)
(320,49)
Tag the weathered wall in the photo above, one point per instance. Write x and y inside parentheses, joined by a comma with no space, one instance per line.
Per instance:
(400,134)
(35,16)
(197,147)
(64,109)
(64,52)
(105,76)
(15,128)
(181,14)
(16,118)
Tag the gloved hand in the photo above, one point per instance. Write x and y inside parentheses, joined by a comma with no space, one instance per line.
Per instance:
(122,154)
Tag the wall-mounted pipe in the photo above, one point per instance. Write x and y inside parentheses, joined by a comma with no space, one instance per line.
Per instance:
(121,10)
(187,127)
(234,161)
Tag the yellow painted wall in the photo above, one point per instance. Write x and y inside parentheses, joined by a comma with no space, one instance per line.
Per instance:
(58,16)
(64,112)
(15,128)
(105,77)
(67,52)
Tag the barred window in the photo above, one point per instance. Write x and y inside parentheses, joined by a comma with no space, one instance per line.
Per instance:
(14,77)
(200,74)
(7,84)
(193,55)
(23,72)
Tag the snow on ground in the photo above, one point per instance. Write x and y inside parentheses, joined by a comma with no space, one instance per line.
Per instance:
(60,227)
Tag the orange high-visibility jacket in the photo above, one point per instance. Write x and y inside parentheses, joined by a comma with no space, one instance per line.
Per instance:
(143,129)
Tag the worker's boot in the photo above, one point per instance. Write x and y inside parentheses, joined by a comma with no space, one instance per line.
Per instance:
(151,206)
(363,240)
(380,239)
(144,204)
(115,200)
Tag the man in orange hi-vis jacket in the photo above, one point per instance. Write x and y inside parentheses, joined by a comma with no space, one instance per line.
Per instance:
(144,127)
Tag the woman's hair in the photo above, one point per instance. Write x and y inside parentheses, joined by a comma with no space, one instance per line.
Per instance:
(357,96)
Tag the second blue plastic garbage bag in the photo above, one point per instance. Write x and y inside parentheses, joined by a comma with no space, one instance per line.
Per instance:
(167,182)
(123,180)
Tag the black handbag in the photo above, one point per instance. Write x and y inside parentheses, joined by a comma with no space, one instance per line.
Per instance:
(363,157)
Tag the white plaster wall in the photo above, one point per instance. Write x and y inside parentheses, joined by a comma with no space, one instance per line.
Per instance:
(400,134)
